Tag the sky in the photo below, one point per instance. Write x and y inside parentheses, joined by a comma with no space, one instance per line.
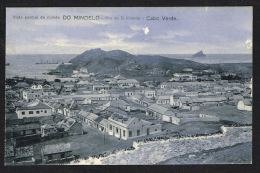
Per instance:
(214,30)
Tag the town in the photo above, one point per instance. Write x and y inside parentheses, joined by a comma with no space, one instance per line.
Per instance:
(50,122)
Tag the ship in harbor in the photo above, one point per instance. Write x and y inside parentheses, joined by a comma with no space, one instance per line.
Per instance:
(46,62)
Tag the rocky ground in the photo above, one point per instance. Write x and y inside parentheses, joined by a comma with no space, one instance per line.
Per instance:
(237,154)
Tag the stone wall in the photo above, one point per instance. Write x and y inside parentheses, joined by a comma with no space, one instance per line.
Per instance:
(152,152)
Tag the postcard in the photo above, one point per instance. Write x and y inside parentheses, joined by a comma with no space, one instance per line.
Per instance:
(128,86)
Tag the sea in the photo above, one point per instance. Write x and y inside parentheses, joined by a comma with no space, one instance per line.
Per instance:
(25,65)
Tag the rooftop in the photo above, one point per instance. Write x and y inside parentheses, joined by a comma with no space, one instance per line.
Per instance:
(127,81)
(35,105)
(158,108)
(58,148)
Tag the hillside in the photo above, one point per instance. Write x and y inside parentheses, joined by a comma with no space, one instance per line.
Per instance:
(112,62)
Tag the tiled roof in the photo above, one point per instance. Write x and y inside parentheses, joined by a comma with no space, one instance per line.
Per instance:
(118,103)
(131,89)
(92,116)
(90,108)
(167,97)
(84,113)
(119,77)
(128,81)
(98,119)
(147,100)
(21,84)
(99,83)
(115,110)
(145,123)
(58,148)
(122,119)
(35,105)
(16,128)
(158,108)
(185,99)
(104,122)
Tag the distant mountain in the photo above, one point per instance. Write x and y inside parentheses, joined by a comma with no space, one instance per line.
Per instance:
(137,66)
(101,62)
(199,54)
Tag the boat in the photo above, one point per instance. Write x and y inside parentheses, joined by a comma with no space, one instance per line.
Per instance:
(46,62)
(7,64)
(199,54)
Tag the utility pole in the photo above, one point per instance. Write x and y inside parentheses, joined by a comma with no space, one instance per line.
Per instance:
(104,136)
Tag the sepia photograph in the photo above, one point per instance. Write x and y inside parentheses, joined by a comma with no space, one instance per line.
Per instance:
(128,85)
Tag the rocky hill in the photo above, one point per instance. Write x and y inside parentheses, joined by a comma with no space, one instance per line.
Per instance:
(116,61)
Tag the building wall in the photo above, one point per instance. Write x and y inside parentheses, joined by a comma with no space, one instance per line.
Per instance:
(163,101)
(134,126)
(112,131)
(29,96)
(172,102)
(248,108)
(129,93)
(150,94)
(241,106)
(57,156)
(152,129)
(27,113)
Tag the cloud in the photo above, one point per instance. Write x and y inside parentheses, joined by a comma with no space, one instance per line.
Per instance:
(249,43)
(146,30)
(136,28)
(205,27)
(169,35)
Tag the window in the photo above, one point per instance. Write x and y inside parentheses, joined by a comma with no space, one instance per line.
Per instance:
(41,110)
(62,155)
(45,111)
(37,112)
(23,113)
(130,133)
(138,132)
(110,127)
(116,130)
(50,157)
(155,130)
(123,132)
(30,112)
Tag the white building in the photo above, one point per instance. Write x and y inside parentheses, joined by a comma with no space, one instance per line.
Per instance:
(127,83)
(149,93)
(183,77)
(34,109)
(245,104)
(36,86)
(125,127)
